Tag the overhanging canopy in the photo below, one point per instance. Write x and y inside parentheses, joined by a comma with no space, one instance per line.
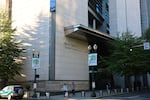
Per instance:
(80,31)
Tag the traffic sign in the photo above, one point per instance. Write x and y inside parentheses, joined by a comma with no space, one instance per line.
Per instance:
(146,45)
(92,71)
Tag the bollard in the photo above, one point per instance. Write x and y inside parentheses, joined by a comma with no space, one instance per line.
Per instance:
(115,90)
(132,89)
(121,90)
(127,90)
(108,92)
(101,93)
(38,95)
(83,94)
(27,94)
(137,89)
(47,95)
(9,97)
(66,94)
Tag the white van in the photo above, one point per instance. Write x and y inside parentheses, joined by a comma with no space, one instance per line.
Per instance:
(12,91)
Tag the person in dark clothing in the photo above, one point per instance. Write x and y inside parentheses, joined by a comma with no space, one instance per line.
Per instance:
(73,88)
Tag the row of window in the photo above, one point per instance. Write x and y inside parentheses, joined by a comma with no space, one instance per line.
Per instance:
(95,5)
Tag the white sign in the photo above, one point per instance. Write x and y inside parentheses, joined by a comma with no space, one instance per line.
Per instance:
(92,59)
(35,63)
(34,85)
(93,84)
(146,45)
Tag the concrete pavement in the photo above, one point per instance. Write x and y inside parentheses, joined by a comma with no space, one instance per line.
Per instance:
(80,95)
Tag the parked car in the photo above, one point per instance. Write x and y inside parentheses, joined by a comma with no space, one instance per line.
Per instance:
(12,91)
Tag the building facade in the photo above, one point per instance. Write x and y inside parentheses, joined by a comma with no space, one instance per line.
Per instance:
(129,16)
(145,14)
(60,30)
(125,16)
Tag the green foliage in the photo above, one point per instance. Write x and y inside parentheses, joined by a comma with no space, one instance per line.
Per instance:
(123,61)
(147,34)
(10,50)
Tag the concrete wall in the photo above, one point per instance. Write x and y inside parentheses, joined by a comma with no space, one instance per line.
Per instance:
(113,17)
(144,15)
(56,86)
(2,4)
(125,14)
(31,19)
(71,54)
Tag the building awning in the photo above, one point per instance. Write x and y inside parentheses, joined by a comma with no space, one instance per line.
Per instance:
(80,31)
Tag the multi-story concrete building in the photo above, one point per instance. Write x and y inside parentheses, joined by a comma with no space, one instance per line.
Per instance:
(61,31)
(129,16)
(125,16)
(145,15)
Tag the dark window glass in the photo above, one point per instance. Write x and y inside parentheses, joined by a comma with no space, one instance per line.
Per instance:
(96,6)
(108,32)
(53,5)
(107,25)
(107,7)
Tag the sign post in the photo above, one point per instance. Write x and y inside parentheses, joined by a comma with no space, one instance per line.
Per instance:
(92,63)
(35,66)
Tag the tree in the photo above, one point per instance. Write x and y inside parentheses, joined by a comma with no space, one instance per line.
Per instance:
(125,62)
(146,37)
(10,50)
(146,34)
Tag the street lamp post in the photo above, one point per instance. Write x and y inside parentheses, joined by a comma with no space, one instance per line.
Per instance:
(34,84)
(92,63)
(35,65)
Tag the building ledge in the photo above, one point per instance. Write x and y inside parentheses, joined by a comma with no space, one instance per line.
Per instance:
(80,31)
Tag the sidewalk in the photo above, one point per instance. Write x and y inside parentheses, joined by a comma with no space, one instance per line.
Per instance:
(80,95)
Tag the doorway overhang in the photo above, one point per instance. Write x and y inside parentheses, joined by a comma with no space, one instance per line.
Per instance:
(80,32)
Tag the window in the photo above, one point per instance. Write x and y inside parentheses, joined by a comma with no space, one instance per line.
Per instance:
(53,5)
(96,6)
(107,32)
(107,25)
(98,9)
(107,7)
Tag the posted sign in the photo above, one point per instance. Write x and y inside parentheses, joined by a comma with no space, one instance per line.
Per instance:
(146,45)
(35,61)
(92,59)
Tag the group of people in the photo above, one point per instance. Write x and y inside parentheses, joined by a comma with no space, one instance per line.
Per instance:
(65,89)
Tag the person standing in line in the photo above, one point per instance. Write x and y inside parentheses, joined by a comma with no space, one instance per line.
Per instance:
(73,88)
(65,90)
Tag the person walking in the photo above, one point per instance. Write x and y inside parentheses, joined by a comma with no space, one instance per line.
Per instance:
(65,90)
(73,88)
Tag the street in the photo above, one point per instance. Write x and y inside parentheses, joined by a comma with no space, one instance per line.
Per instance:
(130,96)
(135,96)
